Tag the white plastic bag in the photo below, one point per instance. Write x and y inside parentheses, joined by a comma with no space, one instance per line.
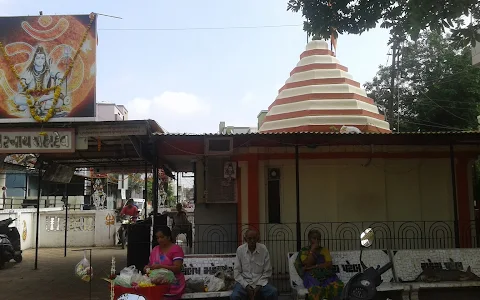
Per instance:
(125,277)
(83,269)
(215,284)
(128,271)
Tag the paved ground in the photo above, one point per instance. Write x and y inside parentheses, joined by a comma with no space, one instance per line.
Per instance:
(55,277)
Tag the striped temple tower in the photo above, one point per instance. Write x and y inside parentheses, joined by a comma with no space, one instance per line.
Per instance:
(320,96)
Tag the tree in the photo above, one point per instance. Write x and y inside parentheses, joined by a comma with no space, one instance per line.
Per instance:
(404,18)
(438,88)
(135,182)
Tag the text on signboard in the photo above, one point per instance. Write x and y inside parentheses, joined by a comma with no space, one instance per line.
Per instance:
(450,265)
(51,141)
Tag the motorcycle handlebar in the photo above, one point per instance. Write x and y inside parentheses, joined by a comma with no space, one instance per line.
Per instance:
(385,268)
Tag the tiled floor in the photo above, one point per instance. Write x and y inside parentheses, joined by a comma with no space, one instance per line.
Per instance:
(55,278)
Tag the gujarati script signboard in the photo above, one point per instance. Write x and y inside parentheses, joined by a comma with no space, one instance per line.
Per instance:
(36,141)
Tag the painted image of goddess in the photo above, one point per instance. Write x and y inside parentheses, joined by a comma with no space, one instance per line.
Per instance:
(98,195)
(41,74)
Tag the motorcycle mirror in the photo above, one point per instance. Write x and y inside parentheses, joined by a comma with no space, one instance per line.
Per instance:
(367,237)
(131,297)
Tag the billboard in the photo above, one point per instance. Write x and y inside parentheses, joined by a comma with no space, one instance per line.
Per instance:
(47,68)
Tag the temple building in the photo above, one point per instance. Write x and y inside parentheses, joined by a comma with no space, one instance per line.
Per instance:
(325,158)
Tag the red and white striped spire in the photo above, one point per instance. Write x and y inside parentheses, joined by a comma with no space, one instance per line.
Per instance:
(320,96)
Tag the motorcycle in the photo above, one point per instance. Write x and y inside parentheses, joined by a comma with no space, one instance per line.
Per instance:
(9,243)
(363,285)
(126,220)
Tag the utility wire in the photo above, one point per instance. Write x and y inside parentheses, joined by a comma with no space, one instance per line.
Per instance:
(200,28)
(446,110)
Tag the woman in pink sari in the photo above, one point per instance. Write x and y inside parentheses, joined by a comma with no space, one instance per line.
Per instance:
(168,255)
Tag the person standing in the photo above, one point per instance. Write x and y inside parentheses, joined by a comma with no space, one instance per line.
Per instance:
(253,270)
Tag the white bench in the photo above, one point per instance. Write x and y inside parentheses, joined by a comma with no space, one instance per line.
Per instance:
(201,265)
(347,264)
(409,265)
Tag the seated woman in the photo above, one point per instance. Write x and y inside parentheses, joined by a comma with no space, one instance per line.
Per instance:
(314,265)
(168,255)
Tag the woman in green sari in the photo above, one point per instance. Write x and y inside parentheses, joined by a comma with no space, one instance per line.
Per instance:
(314,265)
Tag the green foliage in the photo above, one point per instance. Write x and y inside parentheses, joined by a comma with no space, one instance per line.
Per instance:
(404,18)
(439,89)
(135,182)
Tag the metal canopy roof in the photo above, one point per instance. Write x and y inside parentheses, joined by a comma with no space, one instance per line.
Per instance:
(179,150)
(117,150)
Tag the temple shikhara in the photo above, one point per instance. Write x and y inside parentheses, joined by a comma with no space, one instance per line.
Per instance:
(320,96)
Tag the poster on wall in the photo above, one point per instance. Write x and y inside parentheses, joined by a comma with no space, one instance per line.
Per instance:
(47,68)
(99,192)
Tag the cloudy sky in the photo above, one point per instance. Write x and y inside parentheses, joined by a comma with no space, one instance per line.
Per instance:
(189,79)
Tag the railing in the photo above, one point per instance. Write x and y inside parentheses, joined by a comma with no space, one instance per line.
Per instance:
(342,236)
(17,203)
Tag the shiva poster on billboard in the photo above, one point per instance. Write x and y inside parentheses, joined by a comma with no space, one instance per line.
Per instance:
(48,68)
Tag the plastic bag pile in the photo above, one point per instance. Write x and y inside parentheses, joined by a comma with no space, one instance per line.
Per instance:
(221,281)
(131,277)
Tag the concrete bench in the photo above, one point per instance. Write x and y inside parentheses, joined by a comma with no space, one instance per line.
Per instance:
(347,264)
(409,266)
(202,265)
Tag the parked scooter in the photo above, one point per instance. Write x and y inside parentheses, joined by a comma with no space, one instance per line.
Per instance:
(363,285)
(9,243)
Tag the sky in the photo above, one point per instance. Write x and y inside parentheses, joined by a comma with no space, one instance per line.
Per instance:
(189,80)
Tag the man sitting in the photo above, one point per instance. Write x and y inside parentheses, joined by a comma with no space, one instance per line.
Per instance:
(181,224)
(252,270)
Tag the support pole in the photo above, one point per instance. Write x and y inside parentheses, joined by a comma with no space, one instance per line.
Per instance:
(177,188)
(39,194)
(297,199)
(454,197)
(155,187)
(194,182)
(145,205)
(392,86)
(65,191)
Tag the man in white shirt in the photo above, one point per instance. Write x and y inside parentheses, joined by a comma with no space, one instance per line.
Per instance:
(252,270)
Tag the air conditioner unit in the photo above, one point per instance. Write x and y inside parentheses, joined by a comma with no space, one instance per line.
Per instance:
(219,146)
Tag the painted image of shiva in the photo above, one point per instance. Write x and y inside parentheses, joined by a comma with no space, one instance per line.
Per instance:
(40,74)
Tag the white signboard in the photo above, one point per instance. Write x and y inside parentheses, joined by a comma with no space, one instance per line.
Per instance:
(347,263)
(111,130)
(37,141)
(409,264)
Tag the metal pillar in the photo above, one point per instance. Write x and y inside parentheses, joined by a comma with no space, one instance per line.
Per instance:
(454,196)
(155,188)
(146,192)
(65,192)
(194,182)
(297,200)
(177,188)
(39,194)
